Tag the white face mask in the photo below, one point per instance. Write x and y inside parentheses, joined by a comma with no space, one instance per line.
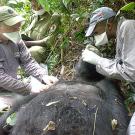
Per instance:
(15,37)
(101,39)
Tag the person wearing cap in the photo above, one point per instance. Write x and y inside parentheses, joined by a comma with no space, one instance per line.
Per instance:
(41,32)
(103,26)
(14,53)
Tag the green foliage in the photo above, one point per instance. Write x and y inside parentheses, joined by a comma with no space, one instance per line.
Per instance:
(63,6)
(129,7)
(130,101)
(65,43)
(128,11)
(52,5)
(3,2)
(21,74)
(101,1)
(52,61)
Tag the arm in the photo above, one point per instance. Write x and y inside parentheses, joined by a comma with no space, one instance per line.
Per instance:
(37,42)
(30,66)
(126,69)
(9,83)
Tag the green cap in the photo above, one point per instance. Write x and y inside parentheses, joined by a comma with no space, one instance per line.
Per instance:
(9,16)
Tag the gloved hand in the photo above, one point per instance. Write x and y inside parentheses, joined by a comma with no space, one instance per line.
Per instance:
(37,86)
(49,80)
(93,49)
(90,57)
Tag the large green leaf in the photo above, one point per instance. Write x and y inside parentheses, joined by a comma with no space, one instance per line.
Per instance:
(128,7)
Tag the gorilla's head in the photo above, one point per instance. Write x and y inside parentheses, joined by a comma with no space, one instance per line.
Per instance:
(87,71)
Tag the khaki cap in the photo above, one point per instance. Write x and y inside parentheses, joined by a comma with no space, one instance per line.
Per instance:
(9,16)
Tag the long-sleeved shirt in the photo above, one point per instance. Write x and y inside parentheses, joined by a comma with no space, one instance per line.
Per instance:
(123,66)
(11,57)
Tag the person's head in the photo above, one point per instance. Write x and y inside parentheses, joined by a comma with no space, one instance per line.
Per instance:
(36,7)
(10,21)
(102,25)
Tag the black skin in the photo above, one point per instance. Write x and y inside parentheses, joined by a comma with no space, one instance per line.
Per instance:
(74,112)
(87,72)
(82,73)
(78,102)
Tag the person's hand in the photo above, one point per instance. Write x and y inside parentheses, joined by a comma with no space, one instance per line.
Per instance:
(90,57)
(37,86)
(93,49)
(49,80)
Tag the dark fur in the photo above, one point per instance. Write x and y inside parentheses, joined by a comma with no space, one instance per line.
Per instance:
(82,104)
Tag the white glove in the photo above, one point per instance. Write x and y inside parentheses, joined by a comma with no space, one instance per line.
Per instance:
(37,86)
(49,80)
(91,57)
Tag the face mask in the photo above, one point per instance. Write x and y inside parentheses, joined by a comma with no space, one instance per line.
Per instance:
(39,12)
(101,39)
(15,37)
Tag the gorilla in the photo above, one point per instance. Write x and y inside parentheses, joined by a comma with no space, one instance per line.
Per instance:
(88,105)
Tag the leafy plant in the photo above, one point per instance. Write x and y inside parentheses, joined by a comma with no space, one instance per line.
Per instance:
(3,2)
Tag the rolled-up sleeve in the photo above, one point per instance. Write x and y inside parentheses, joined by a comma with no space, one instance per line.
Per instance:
(123,68)
(30,66)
